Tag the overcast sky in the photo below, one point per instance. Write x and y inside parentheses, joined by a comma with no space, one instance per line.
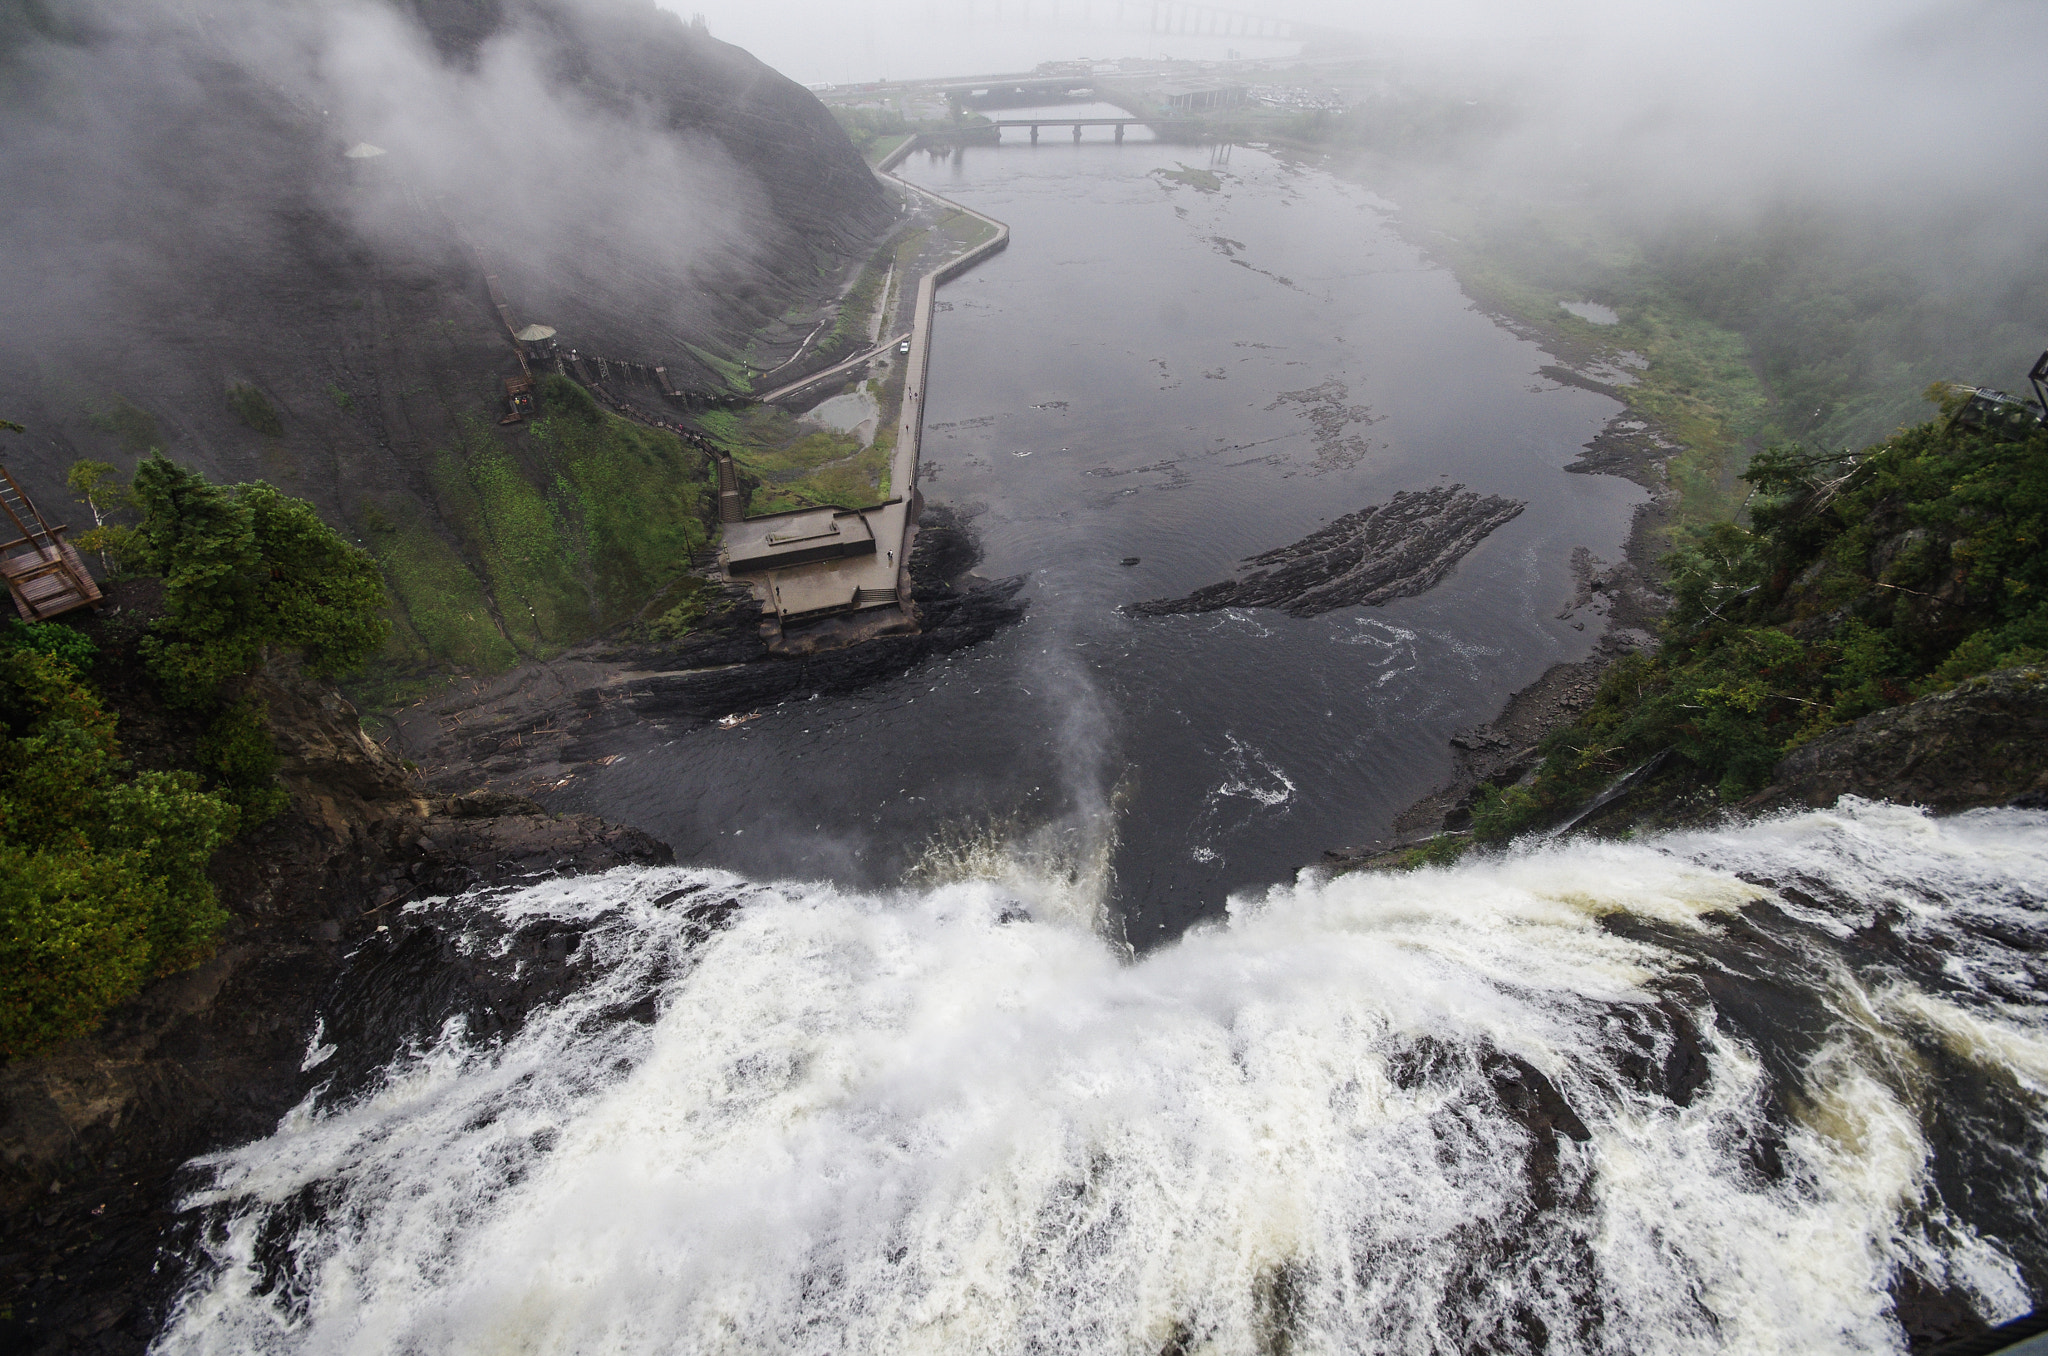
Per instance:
(1878,100)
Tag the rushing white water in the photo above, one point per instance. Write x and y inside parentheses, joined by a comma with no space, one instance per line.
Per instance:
(1513,1105)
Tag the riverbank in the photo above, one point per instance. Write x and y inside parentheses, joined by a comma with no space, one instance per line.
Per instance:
(538,729)
(94,1134)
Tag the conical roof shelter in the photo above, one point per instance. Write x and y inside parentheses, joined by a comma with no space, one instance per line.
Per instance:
(533,334)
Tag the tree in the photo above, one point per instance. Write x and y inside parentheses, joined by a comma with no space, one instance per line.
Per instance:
(246,569)
(104,493)
(103,881)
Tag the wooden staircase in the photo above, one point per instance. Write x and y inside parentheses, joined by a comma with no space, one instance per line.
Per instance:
(43,572)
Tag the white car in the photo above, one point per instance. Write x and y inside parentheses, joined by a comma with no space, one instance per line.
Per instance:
(903,347)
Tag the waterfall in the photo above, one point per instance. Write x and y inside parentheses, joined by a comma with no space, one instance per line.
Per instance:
(1699,1092)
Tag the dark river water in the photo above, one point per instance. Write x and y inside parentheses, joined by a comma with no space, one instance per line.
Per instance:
(1185,370)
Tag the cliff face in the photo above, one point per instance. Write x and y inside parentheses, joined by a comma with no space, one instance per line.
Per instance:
(92,1135)
(193,261)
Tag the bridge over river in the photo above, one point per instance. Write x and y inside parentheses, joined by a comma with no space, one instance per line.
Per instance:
(1158,125)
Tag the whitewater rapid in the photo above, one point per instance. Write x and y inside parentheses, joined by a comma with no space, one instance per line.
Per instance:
(1704,1092)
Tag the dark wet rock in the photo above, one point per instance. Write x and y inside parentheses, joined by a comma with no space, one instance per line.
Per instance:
(1130,560)
(1983,742)
(1393,550)
(1658,1049)
(1931,1314)
(92,1135)
(534,730)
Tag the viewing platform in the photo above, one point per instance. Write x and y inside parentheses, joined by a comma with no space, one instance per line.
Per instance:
(43,572)
(820,561)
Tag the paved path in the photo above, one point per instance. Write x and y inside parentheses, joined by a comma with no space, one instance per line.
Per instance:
(864,356)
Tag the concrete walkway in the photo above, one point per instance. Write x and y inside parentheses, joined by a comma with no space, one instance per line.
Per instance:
(860,579)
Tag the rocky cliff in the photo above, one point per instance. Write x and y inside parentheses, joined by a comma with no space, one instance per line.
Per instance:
(92,1135)
(259,237)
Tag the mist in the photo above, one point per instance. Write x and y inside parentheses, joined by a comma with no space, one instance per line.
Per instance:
(155,122)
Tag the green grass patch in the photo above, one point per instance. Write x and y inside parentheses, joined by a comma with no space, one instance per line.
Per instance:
(802,467)
(734,374)
(133,427)
(442,613)
(253,408)
(966,230)
(546,536)
(1200,180)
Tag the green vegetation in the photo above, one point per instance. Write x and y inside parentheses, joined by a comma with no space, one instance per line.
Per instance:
(104,493)
(695,599)
(246,569)
(1199,179)
(1444,849)
(543,538)
(253,408)
(1691,379)
(800,467)
(342,399)
(874,132)
(851,329)
(735,376)
(133,427)
(52,639)
(1863,581)
(965,230)
(102,870)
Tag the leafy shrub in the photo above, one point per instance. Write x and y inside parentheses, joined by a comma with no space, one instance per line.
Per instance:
(241,762)
(561,398)
(102,872)
(104,492)
(54,639)
(134,427)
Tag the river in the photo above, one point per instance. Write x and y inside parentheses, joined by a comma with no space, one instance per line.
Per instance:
(884,1072)
(1186,371)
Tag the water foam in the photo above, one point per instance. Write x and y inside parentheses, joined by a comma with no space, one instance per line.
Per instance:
(1426,1112)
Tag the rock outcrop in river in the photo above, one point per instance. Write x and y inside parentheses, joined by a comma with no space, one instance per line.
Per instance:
(1392,550)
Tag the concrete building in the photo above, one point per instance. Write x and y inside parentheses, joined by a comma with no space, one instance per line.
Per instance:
(1191,96)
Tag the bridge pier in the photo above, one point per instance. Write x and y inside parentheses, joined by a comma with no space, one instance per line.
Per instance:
(1034,134)
(1077,133)
(1119,134)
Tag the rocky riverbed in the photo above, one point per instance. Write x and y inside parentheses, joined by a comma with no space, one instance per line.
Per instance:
(538,727)
(93,1135)
(1393,550)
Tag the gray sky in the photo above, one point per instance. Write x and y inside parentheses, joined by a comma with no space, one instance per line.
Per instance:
(1865,97)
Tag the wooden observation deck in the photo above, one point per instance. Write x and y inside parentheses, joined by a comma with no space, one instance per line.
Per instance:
(43,572)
